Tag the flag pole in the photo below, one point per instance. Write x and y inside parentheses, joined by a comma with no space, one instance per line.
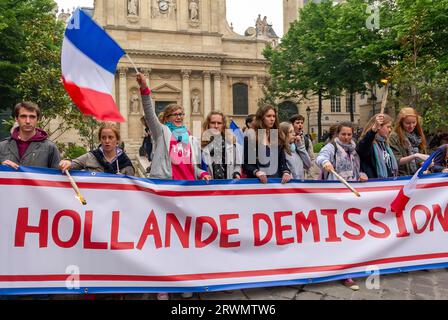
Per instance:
(132,62)
(386,93)
(345,183)
(75,187)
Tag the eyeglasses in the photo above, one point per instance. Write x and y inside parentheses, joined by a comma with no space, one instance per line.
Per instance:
(177,115)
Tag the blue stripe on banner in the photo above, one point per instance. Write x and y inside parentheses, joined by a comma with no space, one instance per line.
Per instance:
(93,41)
(202,182)
(236,286)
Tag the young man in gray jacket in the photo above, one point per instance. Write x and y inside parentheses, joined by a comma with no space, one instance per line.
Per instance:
(28,145)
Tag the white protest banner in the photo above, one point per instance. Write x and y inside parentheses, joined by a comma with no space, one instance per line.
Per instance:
(140,235)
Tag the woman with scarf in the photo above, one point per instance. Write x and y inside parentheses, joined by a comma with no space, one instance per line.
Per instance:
(221,156)
(408,142)
(340,155)
(177,154)
(108,158)
(377,158)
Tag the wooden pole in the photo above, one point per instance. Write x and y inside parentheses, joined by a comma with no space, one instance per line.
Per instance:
(345,183)
(75,187)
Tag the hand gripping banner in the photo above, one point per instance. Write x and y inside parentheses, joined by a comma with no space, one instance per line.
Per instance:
(141,235)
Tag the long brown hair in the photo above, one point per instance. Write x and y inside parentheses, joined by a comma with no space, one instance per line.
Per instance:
(259,117)
(371,122)
(406,112)
(283,134)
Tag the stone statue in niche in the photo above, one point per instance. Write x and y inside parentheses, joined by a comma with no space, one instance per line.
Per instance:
(135,102)
(193,7)
(133,7)
(196,102)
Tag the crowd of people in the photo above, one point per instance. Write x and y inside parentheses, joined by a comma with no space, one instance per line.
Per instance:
(385,148)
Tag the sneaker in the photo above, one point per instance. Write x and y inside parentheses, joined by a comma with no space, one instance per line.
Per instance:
(350,283)
(187,295)
(163,296)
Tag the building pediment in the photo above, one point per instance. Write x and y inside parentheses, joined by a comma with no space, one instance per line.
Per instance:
(166,88)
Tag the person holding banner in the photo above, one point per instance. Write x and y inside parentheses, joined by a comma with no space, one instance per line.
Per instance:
(219,150)
(297,158)
(177,154)
(108,158)
(340,155)
(441,160)
(263,156)
(377,158)
(408,142)
(28,145)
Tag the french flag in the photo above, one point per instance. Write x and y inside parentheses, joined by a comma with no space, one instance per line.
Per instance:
(404,195)
(89,60)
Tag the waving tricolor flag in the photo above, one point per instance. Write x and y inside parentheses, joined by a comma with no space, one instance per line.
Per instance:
(89,60)
(405,193)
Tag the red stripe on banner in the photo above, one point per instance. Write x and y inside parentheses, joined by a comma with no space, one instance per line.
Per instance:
(219,275)
(90,102)
(201,193)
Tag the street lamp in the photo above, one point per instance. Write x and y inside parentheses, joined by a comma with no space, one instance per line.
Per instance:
(308,112)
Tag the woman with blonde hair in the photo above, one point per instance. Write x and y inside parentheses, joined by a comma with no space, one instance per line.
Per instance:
(297,158)
(108,158)
(408,142)
(377,158)
(176,153)
(220,154)
(264,158)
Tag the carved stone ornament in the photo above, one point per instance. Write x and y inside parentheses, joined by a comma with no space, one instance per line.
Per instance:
(196,101)
(135,101)
(133,8)
(194,13)
(164,9)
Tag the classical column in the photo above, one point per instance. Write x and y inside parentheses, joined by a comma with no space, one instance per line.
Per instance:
(207,94)
(186,95)
(123,103)
(217,90)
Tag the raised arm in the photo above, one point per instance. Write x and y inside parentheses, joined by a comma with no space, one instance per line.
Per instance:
(152,121)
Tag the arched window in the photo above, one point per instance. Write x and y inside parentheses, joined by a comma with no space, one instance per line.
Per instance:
(286,110)
(240,99)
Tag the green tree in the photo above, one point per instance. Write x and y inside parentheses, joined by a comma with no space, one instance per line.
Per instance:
(304,63)
(30,50)
(420,78)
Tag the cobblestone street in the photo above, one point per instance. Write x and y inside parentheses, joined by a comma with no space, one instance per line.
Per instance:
(417,285)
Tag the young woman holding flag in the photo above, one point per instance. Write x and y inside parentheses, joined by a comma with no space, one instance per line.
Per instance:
(177,154)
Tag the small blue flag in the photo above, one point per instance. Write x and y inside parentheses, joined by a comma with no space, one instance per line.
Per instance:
(237,132)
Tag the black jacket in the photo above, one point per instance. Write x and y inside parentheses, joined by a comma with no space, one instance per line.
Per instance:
(251,168)
(366,154)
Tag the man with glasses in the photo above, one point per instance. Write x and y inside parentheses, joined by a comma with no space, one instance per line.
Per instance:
(28,145)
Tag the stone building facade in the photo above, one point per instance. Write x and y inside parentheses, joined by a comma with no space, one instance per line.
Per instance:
(191,57)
